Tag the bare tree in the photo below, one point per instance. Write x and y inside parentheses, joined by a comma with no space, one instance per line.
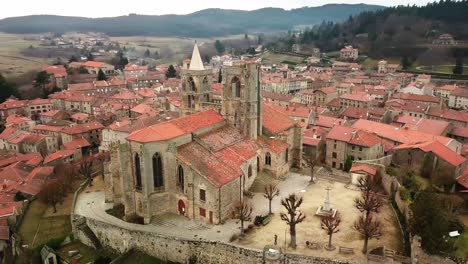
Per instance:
(65,173)
(86,169)
(243,211)
(270,192)
(368,184)
(331,225)
(368,204)
(369,228)
(51,194)
(293,216)
(313,160)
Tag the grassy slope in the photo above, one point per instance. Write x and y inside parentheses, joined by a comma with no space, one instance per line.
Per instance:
(45,227)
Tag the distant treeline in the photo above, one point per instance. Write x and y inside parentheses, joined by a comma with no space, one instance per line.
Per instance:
(205,23)
(375,32)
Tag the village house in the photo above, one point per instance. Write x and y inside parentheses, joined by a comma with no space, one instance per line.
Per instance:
(93,67)
(458,99)
(445,39)
(444,92)
(434,127)
(91,131)
(445,160)
(344,142)
(397,136)
(419,88)
(457,118)
(318,97)
(55,114)
(355,99)
(20,122)
(384,67)
(12,106)
(135,71)
(57,75)
(349,53)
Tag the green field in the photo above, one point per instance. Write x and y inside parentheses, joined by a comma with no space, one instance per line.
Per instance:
(12,62)
(275,58)
(37,229)
(447,69)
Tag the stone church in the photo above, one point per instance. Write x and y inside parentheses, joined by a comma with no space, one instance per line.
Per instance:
(200,164)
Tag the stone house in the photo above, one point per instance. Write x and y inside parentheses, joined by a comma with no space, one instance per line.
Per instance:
(344,142)
(349,53)
(355,99)
(318,97)
(458,99)
(91,131)
(444,159)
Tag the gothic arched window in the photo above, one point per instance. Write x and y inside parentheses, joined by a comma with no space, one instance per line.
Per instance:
(236,87)
(158,179)
(180,177)
(287,155)
(268,159)
(249,171)
(191,84)
(137,172)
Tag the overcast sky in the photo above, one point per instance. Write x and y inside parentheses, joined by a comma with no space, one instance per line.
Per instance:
(106,8)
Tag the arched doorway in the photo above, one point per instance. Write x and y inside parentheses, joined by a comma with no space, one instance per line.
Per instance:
(181,207)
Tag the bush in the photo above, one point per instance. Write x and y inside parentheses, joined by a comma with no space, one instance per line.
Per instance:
(390,171)
(405,194)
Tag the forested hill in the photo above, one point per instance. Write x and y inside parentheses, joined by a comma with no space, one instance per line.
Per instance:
(205,23)
(393,28)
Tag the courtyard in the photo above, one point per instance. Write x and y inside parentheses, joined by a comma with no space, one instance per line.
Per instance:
(342,198)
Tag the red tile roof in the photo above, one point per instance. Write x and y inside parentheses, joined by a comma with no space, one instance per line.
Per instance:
(438,149)
(83,128)
(355,112)
(61,154)
(460,131)
(76,144)
(329,121)
(219,155)
(416,97)
(361,97)
(396,134)
(364,168)
(274,145)
(353,136)
(93,64)
(177,127)
(449,114)
(275,121)
(430,126)
(293,110)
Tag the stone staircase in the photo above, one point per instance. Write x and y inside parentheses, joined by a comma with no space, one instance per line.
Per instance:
(90,235)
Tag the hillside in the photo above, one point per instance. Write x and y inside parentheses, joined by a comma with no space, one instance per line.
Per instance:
(205,23)
(395,31)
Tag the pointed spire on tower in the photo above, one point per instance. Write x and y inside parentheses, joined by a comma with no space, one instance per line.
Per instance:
(196,64)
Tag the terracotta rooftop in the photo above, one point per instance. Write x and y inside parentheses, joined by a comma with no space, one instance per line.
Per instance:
(274,145)
(430,126)
(275,121)
(438,149)
(293,110)
(396,134)
(417,97)
(60,154)
(363,168)
(177,127)
(353,136)
(218,155)
(361,97)
(449,114)
(83,128)
(93,64)
(76,144)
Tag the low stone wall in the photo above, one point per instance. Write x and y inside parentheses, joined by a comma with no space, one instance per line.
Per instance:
(180,250)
